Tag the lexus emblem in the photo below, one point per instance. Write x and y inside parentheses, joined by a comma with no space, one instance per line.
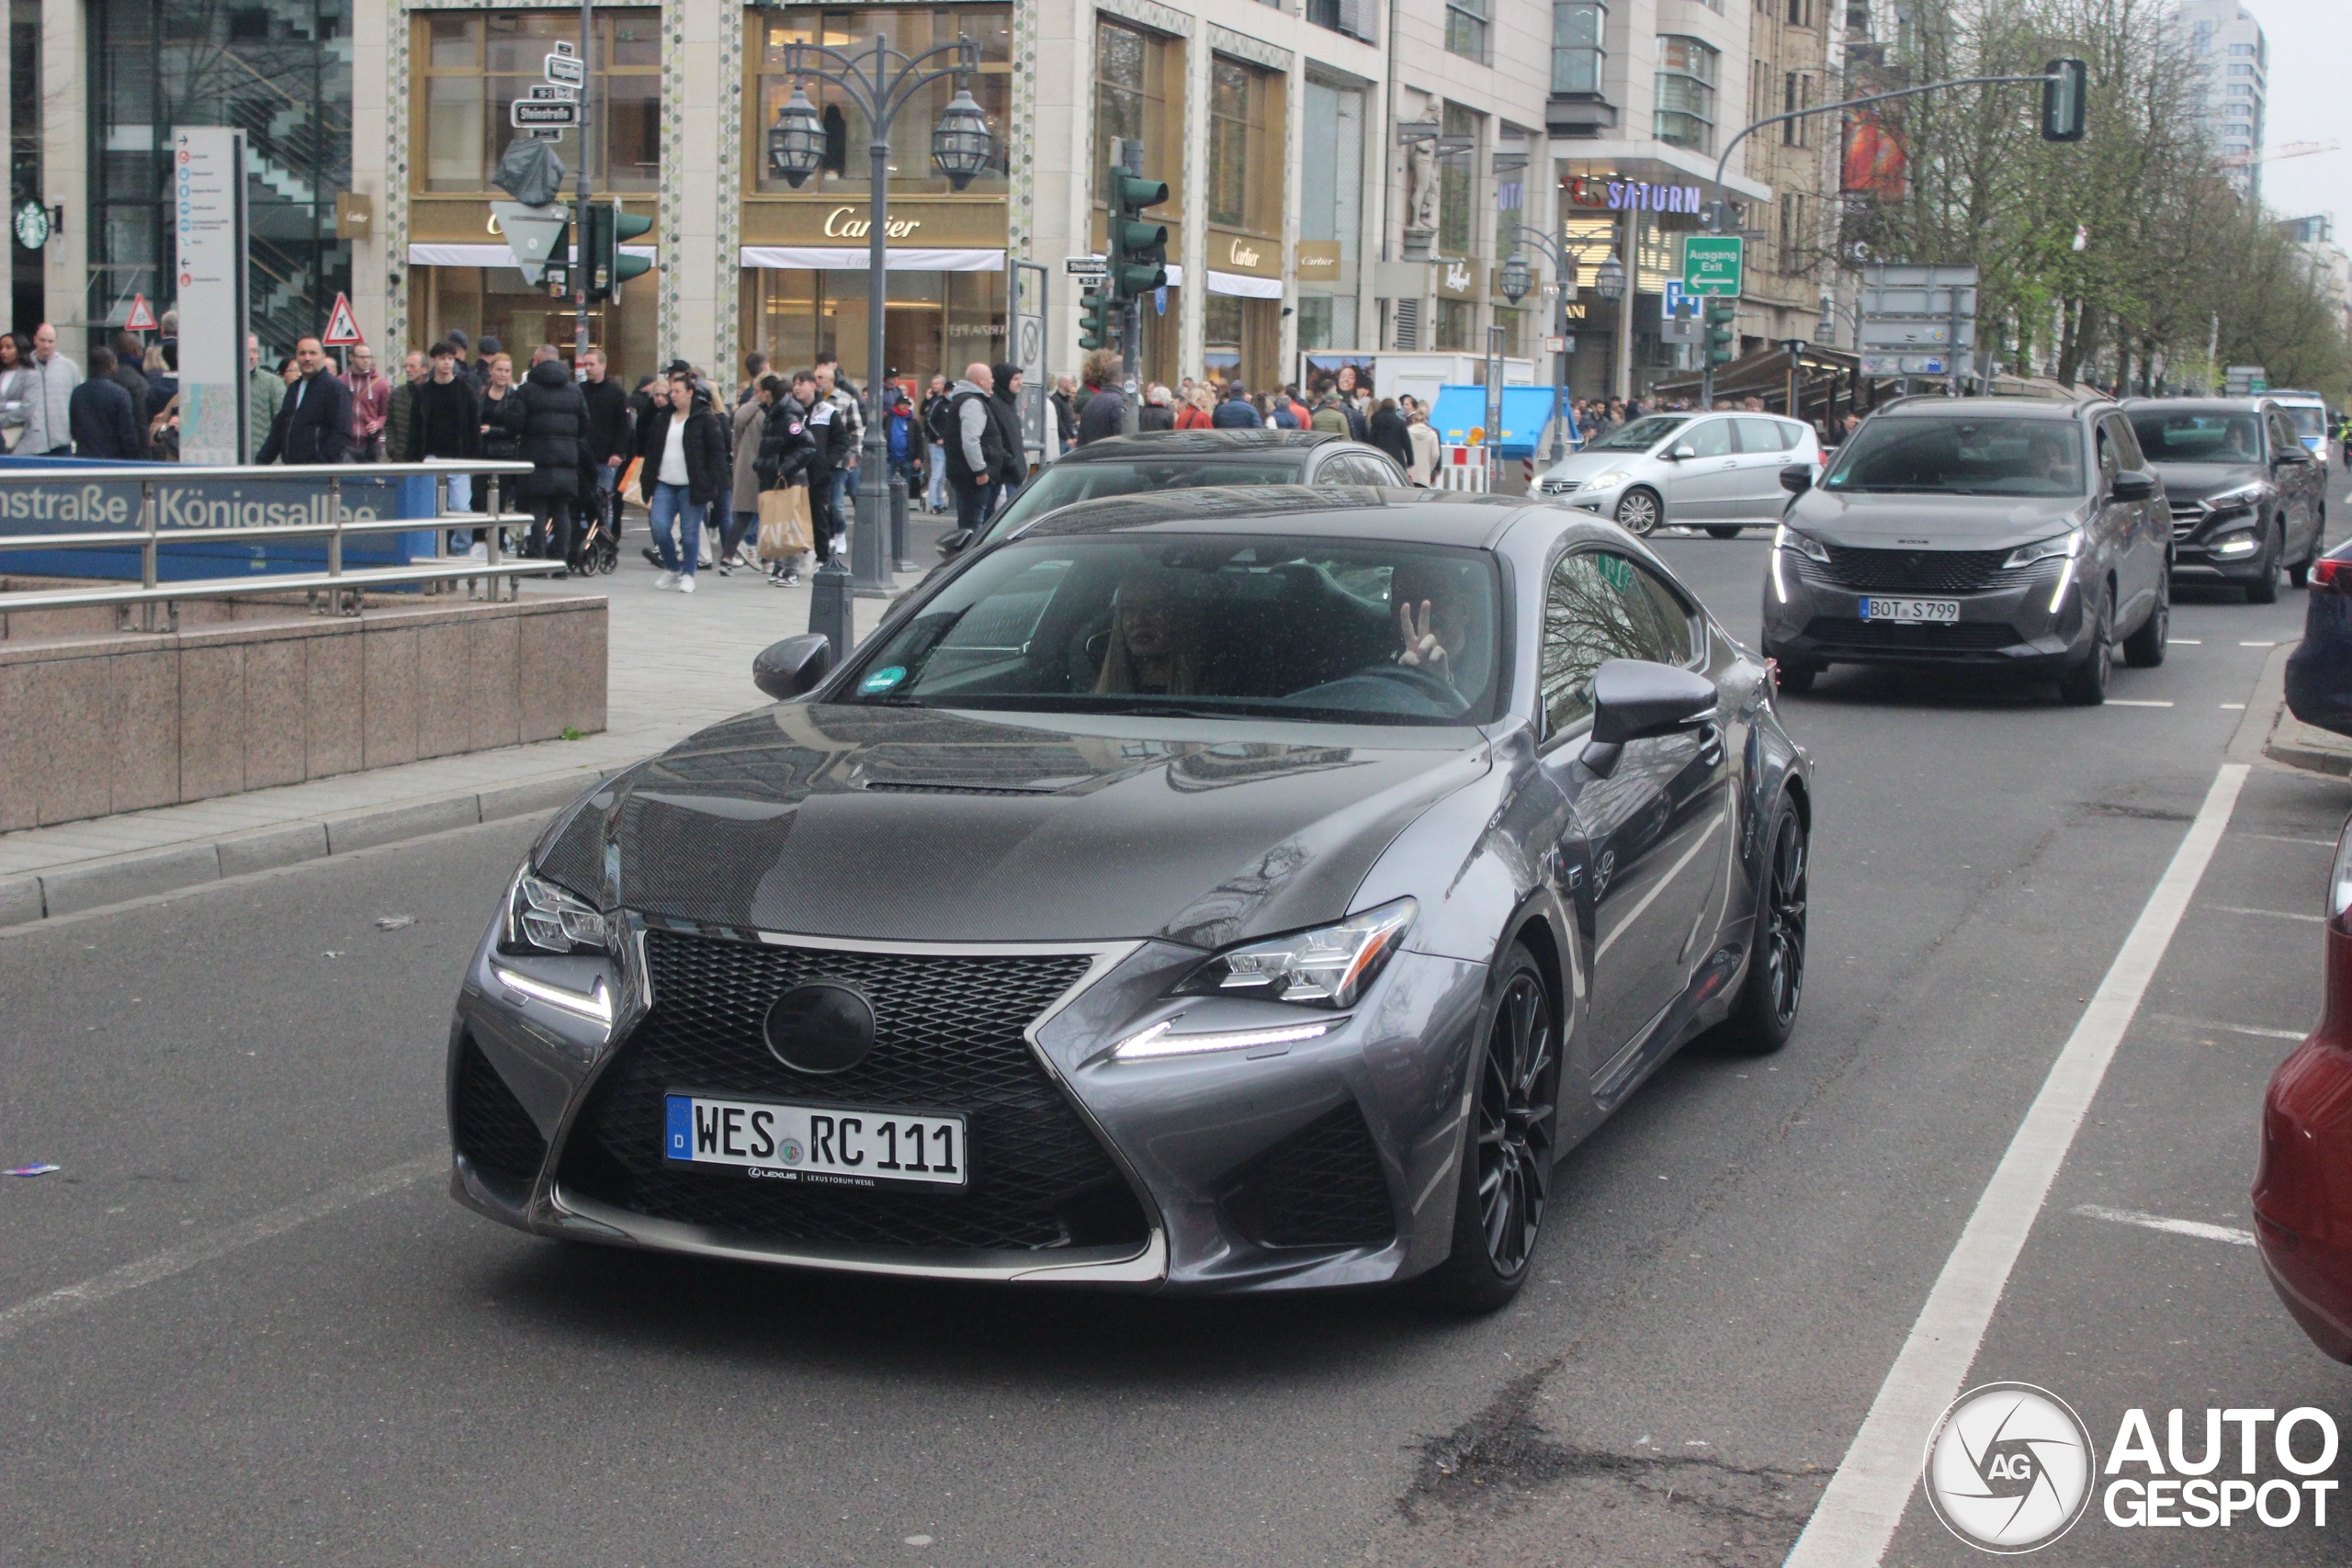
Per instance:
(822,1027)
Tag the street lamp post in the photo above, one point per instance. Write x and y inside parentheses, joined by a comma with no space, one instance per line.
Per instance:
(1609,282)
(880,81)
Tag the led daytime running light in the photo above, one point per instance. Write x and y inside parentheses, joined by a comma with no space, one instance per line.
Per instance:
(595,1004)
(1160,1040)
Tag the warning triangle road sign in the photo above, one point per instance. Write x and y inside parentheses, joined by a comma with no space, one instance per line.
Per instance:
(142,315)
(343,328)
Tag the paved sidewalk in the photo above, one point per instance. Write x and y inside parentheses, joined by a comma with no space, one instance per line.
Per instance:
(676,663)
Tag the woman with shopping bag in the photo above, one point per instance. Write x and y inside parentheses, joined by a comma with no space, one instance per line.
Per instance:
(786,448)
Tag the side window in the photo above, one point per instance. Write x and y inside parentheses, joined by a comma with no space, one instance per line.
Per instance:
(1758,435)
(1602,606)
(1385,472)
(1790,434)
(2106,444)
(2282,435)
(1709,437)
(2127,443)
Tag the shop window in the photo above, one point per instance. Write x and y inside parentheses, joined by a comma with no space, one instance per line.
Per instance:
(1139,96)
(477,62)
(1465,28)
(1686,93)
(1243,150)
(1457,320)
(1455,200)
(1576,54)
(911,31)
(1330,171)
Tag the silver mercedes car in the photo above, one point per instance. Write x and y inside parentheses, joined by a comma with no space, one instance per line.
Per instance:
(1716,471)
(1216,890)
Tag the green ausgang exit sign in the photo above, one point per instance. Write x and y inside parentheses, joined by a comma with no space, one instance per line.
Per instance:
(1711,264)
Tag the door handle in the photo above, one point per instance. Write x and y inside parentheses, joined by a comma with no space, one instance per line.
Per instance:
(1710,742)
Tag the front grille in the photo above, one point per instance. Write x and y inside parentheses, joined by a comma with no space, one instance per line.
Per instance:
(489,1125)
(948,1037)
(1321,1186)
(1893,636)
(1562,486)
(2186,516)
(1910,571)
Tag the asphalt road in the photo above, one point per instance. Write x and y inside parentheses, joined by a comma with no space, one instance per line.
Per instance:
(288,1345)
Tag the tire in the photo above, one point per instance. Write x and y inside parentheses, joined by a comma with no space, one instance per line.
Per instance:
(1640,511)
(2263,587)
(2084,687)
(1722,530)
(2144,649)
(1509,1148)
(1766,1014)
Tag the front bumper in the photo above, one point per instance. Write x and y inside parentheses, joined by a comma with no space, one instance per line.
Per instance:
(1215,1149)
(2028,625)
(2202,551)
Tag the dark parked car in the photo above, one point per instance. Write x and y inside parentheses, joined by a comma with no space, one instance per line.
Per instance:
(2302,1188)
(1181,459)
(2319,672)
(2248,499)
(2000,533)
(1217,890)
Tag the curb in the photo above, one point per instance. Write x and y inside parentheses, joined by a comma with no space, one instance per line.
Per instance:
(39,896)
(2270,733)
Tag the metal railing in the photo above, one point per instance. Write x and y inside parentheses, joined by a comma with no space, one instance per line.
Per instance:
(335,583)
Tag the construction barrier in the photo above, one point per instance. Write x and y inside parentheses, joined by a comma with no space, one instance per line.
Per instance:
(1463,469)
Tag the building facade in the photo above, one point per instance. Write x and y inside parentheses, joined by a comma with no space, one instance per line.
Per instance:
(1345,176)
(2230,45)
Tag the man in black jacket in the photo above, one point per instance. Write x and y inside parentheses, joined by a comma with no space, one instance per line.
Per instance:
(976,452)
(835,433)
(1004,403)
(313,425)
(1105,411)
(99,414)
(606,451)
(128,353)
(555,418)
(785,451)
(447,423)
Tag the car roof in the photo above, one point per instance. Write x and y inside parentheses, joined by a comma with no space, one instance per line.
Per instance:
(1350,512)
(2201,405)
(1199,443)
(1929,406)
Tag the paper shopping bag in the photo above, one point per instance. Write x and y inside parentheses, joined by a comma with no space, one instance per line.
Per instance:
(784,522)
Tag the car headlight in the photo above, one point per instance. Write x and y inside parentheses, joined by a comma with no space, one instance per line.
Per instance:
(544,918)
(2243,498)
(2061,547)
(1609,480)
(1330,967)
(2241,544)
(1787,538)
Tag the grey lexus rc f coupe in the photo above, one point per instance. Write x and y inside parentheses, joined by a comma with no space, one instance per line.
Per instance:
(1227,889)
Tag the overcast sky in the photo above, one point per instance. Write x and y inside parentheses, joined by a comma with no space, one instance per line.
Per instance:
(2311,75)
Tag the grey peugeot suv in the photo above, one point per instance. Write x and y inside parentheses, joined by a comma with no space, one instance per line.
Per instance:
(2000,533)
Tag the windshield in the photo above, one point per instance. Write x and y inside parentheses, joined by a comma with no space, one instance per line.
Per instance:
(2307,420)
(2168,437)
(1063,483)
(1961,456)
(1640,436)
(1203,625)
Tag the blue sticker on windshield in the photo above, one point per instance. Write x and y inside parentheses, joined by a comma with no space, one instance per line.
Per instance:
(883,680)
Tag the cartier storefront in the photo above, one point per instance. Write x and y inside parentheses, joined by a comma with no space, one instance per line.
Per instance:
(803,292)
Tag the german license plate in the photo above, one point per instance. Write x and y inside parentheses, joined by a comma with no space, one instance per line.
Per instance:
(1912,612)
(819,1146)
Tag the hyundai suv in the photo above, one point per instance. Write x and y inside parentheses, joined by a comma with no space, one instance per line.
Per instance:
(2248,497)
(1999,532)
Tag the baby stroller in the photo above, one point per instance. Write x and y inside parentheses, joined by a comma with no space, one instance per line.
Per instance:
(598,549)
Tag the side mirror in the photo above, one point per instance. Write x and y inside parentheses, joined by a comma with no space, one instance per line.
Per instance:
(1797,477)
(2130,486)
(1682,453)
(952,543)
(793,667)
(1634,699)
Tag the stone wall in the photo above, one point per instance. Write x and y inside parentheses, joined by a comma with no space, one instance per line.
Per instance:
(95,724)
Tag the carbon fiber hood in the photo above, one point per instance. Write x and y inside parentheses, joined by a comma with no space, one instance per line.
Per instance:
(904,824)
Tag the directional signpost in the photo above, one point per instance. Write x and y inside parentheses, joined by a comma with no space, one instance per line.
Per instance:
(1712,264)
(1678,314)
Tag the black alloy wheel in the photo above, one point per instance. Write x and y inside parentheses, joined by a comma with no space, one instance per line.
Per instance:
(1722,530)
(1640,511)
(1766,1014)
(2263,587)
(2084,685)
(1513,1139)
(2144,649)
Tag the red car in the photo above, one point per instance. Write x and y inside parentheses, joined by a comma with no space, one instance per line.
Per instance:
(2302,1191)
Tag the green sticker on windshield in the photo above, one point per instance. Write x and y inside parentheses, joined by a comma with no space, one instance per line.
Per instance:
(884,679)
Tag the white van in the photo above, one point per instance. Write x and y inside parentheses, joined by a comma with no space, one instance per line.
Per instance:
(2307,412)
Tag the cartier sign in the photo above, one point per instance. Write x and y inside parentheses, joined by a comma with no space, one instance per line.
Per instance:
(927,221)
(1245,253)
(843,223)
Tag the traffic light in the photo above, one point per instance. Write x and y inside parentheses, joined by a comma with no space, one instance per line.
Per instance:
(2066,101)
(608,266)
(1721,314)
(1138,246)
(1094,319)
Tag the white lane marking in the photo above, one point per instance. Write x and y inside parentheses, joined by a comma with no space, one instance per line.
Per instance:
(2136,702)
(2271,914)
(2257,644)
(2184,642)
(1863,1504)
(67,1299)
(2284,839)
(2238,707)
(2233,1028)
(2197,1228)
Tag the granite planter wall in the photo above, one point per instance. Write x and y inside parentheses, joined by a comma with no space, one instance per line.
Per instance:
(96,724)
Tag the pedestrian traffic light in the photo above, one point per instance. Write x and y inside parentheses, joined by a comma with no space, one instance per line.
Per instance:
(1138,246)
(1093,320)
(2066,101)
(1721,315)
(608,267)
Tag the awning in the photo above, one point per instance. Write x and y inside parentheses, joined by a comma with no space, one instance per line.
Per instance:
(1246,286)
(852,258)
(421,255)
